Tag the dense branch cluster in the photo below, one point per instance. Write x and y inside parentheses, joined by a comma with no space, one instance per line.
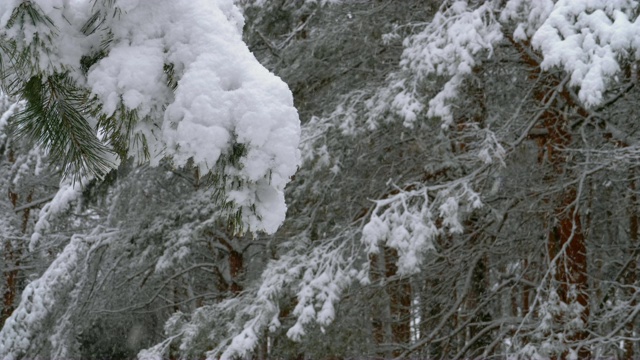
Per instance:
(468,185)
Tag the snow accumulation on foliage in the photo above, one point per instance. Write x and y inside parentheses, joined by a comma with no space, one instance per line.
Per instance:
(39,299)
(67,193)
(197,90)
(199,95)
(584,38)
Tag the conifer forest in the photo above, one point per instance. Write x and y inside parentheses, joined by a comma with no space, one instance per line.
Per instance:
(319,179)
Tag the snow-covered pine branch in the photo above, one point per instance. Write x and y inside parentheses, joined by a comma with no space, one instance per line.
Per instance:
(169,79)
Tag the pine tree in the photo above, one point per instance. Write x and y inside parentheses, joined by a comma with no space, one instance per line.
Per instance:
(468,191)
(104,95)
(486,144)
(99,88)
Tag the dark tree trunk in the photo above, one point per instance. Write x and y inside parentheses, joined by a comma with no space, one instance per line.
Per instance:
(12,255)
(391,320)
(566,240)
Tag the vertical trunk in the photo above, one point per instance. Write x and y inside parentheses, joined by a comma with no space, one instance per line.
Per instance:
(379,310)
(525,288)
(571,268)
(12,255)
(236,264)
(262,350)
(478,291)
(565,232)
(391,320)
(632,275)
(431,308)
(399,302)
(479,285)
(10,277)
(567,242)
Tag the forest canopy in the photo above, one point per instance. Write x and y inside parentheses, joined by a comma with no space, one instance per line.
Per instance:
(465,179)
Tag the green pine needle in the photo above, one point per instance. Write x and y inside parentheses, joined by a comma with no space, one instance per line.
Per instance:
(55,117)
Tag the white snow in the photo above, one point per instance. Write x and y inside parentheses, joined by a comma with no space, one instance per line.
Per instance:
(449,46)
(223,95)
(39,299)
(585,38)
(69,191)
(6,8)
(405,223)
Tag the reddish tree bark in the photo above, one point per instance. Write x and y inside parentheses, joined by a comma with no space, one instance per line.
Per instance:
(632,270)
(391,321)
(12,257)
(399,301)
(236,266)
(571,267)
(565,232)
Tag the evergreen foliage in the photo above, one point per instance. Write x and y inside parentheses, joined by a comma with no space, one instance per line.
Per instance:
(468,186)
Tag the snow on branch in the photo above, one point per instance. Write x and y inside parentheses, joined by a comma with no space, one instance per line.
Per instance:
(225,104)
(587,39)
(69,191)
(24,329)
(317,277)
(449,46)
(164,79)
(410,220)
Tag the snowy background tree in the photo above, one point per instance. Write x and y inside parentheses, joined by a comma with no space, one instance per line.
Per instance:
(467,186)
(100,89)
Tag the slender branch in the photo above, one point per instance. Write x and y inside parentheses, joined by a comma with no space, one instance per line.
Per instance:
(34,203)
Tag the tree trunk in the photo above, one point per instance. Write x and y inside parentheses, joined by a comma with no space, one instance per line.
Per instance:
(565,232)
(632,275)
(567,243)
(391,320)
(12,256)
(479,285)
